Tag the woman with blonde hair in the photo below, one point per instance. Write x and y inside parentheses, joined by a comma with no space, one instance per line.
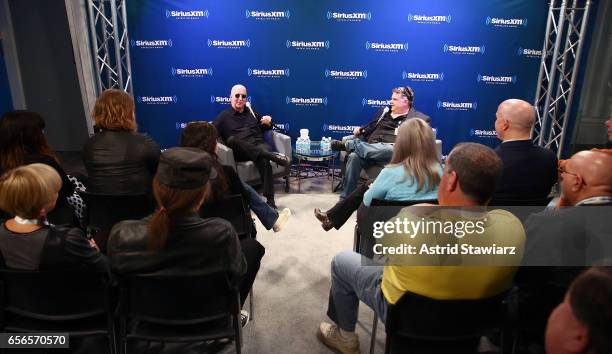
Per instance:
(28,241)
(413,174)
(119,161)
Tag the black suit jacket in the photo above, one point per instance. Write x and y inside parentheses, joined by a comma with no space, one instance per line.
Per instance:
(529,171)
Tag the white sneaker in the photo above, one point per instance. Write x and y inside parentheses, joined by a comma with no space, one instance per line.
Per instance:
(244,317)
(330,335)
(281,220)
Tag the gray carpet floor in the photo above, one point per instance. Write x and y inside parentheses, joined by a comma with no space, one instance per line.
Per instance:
(292,287)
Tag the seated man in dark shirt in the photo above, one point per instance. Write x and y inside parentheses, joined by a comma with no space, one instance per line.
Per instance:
(242,129)
(373,143)
(530,171)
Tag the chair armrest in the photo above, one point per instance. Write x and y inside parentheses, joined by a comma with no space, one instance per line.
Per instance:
(226,156)
(282,143)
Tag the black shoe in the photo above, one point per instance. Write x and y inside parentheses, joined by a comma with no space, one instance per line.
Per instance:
(280,159)
(271,203)
(326,224)
(338,145)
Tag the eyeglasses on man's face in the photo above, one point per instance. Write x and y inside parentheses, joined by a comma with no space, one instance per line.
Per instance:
(239,95)
(563,171)
(404,91)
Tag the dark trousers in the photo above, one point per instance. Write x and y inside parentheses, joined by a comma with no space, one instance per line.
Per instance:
(343,210)
(259,153)
(253,252)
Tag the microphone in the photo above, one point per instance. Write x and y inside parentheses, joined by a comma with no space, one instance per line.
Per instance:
(248,104)
(385,111)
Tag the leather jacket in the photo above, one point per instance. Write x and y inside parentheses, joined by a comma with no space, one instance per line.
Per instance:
(120,162)
(369,128)
(195,246)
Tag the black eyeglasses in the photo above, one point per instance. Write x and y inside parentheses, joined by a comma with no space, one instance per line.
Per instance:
(239,95)
(406,91)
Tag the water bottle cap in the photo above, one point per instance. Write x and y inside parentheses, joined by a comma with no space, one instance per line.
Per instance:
(304,133)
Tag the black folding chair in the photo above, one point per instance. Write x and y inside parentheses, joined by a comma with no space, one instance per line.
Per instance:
(76,301)
(421,325)
(233,208)
(185,309)
(366,217)
(104,211)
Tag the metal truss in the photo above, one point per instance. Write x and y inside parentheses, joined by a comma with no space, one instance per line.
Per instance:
(565,31)
(109,40)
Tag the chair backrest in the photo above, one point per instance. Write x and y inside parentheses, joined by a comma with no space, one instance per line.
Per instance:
(104,211)
(55,295)
(232,208)
(179,300)
(418,317)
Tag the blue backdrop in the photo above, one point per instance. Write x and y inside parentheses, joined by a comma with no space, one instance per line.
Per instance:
(330,65)
(6,103)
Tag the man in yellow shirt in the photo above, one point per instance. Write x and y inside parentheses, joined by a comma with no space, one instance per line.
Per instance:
(470,178)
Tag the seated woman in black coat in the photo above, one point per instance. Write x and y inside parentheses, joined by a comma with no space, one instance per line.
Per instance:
(119,161)
(175,240)
(27,241)
(22,142)
(203,135)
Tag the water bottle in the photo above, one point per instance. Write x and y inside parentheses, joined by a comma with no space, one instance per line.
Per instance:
(302,145)
(326,144)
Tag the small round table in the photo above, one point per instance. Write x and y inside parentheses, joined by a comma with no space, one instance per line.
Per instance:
(315,154)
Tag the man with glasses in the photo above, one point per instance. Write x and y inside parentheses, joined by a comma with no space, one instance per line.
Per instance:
(373,143)
(242,129)
(530,171)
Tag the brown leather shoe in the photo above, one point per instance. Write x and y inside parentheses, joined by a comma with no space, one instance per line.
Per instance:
(326,224)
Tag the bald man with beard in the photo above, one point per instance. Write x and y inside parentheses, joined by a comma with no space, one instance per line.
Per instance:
(529,171)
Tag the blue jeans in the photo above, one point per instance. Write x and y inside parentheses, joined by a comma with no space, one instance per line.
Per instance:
(265,213)
(354,278)
(363,155)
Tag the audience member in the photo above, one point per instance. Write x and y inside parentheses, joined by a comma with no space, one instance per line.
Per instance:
(22,142)
(413,174)
(27,241)
(175,240)
(373,143)
(118,160)
(530,171)
(582,323)
(243,130)
(203,135)
(469,179)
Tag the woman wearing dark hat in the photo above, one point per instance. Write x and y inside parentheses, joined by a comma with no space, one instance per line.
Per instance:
(175,239)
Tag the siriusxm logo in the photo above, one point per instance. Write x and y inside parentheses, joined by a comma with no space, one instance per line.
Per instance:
(156,99)
(312,45)
(386,47)
(483,133)
(336,128)
(269,73)
(506,22)
(459,49)
(282,126)
(353,74)
(180,125)
(157,43)
(197,72)
(349,16)
(457,106)
(234,44)
(375,103)
(267,15)
(530,53)
(422,77)
(187,15)
(501,80)
(223,100)
(436,20)
(306,101)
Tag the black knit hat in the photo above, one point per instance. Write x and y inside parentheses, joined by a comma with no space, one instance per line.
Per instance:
(185,168)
